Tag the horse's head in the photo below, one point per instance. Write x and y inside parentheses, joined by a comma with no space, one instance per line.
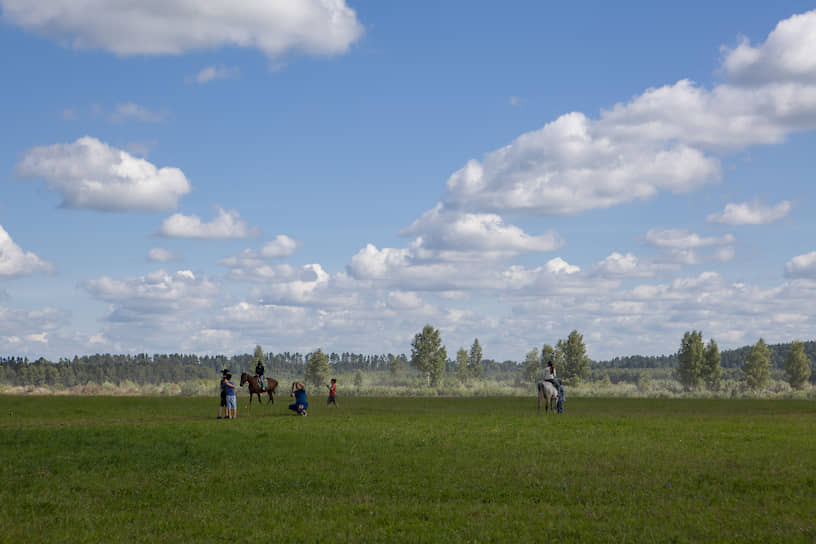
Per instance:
(244,378)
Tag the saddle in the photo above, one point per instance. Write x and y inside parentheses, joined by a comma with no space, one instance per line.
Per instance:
(261,384)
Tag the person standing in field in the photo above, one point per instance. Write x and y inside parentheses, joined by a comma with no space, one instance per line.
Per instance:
(332,393)
(232,402)
(223,405)
(301,404)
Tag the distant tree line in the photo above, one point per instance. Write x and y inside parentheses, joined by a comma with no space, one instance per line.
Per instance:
(145,369)
(695,365)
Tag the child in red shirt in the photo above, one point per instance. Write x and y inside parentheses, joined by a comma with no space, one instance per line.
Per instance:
(332,393)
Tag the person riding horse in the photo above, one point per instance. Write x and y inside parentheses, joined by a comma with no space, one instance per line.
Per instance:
(549,374)
(259,372)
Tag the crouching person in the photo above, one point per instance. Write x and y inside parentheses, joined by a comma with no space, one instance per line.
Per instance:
(301,404)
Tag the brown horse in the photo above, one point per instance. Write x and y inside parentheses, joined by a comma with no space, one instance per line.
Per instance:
(256,389)
(549,394)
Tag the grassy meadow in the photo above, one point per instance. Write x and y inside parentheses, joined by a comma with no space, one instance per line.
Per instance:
(163,469)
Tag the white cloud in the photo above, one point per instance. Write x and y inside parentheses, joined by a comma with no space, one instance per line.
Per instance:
(560,266)
(404,300)
(662,140)
(681,247)
(16,262)
(570,166)
(212,73)
(134,112)
(450,235)
(93,175)
(683,239)
(161,255)
(309,285)
(159,295)
(372,263)
(281,246)
(802,266)
(321,27)
(789,54)
(227,224)
(617,264)
(746,213)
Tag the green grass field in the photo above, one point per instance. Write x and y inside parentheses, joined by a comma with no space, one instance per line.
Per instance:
(136,469)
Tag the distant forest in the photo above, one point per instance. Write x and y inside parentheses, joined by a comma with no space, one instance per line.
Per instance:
(733,359)
(144,369)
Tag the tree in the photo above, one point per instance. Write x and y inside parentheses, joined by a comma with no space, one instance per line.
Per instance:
(257,358)
(548,354)
(575,360)
(462,365)
(757,367)
(396,364)
(428,354)
(711,370)
(644,381)
(690,360)
(797,366)
(531,365)
(475,360)
(317,368)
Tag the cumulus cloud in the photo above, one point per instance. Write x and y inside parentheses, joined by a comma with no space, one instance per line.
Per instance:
(161,255)
(408,270)
(451,235)
(32,331)
(90,174)
(560,266)
(211,73)
(308,285)
(683,239)
(404,300)
(802,266)
(16,262)
(617,264)
(681,247)
(158,295)
(570,166)
(321,27)
(788,54)
(227,224)
(281,246)
(666,139)
(747,213)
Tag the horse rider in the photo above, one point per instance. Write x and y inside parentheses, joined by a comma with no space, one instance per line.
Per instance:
(259,372)
(549,374)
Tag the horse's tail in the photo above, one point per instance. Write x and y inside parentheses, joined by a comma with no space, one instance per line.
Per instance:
(273,384)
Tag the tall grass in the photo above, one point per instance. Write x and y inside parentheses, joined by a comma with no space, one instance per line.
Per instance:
(382,385)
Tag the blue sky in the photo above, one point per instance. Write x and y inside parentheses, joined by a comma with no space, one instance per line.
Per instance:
(339,174)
